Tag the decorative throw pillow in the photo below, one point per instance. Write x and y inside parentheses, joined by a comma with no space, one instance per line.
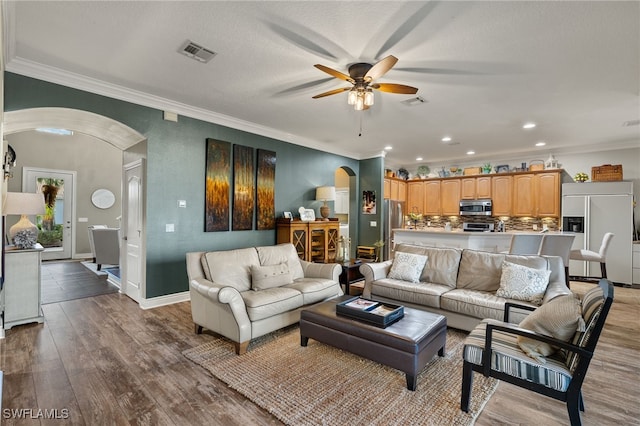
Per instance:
(559,318)
(407,266)
(263,277)
(523,283)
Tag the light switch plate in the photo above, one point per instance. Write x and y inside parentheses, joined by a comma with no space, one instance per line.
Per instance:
(182,204)
(169,227)
(373,223)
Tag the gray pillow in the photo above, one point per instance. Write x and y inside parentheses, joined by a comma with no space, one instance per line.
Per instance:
(407,267)
(560,319)
(523,283)
(264,277)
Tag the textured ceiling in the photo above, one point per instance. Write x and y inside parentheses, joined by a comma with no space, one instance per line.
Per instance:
(483,68)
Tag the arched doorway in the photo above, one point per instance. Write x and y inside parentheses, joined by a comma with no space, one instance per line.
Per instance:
(90,125)
(346,206)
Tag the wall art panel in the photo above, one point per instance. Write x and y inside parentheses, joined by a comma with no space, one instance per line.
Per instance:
(217,185)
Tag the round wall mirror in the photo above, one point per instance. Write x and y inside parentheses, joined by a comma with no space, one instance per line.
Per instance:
(103,198)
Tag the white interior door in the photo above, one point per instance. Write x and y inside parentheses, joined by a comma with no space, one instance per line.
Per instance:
(57,234)
(133,223)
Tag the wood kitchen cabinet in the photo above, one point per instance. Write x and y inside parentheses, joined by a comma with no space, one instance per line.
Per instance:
(432,198)
(472,188)
(502,195)
(395,189)
(483,187)
(548,194)
(450,197)
(415,196)
(537,195)
(315,241)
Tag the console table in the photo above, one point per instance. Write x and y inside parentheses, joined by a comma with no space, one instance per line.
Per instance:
(22,290)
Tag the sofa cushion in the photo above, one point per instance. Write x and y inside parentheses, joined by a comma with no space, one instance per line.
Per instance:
(269,302)
(442,263)
(425,294)
(315,289)
(281,253)
(482,270)
(407,267)
(523,283)
(480,304)
(560,318)
(263,277)
(231,267)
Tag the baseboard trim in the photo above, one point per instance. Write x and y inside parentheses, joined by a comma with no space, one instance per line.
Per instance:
(169,299)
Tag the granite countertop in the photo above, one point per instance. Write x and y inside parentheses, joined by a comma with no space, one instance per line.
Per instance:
(439,230)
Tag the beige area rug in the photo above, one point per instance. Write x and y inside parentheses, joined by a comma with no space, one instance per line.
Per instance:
(321,385)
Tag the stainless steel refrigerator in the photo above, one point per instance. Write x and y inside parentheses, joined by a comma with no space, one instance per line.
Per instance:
(592,209)
(392,217)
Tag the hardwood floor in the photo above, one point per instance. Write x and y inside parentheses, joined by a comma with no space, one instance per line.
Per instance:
(68,280)
(103,360)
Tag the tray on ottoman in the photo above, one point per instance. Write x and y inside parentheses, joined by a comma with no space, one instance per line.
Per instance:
(380,314)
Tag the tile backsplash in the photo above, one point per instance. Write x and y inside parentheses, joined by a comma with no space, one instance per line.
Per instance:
(511,223)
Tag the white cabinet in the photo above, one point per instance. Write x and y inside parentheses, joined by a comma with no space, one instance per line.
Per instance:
(22,287)
(636,263)
(342,201)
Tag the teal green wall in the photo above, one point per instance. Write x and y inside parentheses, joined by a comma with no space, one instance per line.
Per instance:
(371,179)
(176,171)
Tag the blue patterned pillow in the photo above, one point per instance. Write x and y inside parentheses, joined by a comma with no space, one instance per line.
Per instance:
(407,266)
(523,283)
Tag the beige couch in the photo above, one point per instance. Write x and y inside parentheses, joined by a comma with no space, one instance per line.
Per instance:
(460,284)
(245,293)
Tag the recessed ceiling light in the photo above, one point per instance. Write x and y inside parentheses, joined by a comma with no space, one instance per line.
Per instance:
(529,125)
(446,139)
(541,143)
(470,152)
(388,148)
(418,158)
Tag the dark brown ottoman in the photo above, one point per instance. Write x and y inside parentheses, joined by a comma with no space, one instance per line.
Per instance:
(407,345)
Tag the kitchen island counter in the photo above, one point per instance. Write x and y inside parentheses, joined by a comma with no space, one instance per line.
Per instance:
(495,242)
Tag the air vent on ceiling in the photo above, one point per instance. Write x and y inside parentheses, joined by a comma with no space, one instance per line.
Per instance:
(197,52)
(631,123)
(414,101)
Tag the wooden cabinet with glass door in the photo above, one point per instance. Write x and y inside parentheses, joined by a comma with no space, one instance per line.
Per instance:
(315,241)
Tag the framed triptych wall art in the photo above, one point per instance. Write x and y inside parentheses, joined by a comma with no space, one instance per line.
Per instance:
(266,190)
(243,188)
(217,185)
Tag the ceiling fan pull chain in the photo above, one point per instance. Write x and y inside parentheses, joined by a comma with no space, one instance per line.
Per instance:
(360,134)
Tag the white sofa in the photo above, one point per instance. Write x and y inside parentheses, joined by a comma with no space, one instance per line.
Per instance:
(245,293)
(460,284)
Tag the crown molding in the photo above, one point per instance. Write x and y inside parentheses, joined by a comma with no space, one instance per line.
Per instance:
(49,74)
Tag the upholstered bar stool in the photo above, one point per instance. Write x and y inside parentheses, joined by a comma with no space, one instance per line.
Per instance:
(525,243)
(592,256)
(558,245)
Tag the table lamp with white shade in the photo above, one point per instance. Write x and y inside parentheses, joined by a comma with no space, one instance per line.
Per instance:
(325,193)
(23,204)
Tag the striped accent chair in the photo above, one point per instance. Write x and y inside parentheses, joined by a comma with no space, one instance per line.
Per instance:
(560,377)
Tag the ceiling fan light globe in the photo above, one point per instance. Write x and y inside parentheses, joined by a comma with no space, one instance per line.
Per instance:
(359,103)
(368,97)
(352,97)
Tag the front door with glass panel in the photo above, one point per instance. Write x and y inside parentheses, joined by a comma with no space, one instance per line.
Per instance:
(55,230)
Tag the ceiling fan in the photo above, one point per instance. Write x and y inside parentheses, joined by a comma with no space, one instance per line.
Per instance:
(362,76)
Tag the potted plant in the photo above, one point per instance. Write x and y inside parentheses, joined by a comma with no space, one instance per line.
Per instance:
(486,168)
(581,177)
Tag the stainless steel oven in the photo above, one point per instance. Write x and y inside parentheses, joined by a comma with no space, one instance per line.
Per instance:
(475,207)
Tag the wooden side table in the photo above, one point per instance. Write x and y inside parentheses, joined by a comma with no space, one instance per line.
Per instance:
(350,274)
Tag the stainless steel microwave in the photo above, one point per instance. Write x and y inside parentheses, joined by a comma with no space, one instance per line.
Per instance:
(475,207)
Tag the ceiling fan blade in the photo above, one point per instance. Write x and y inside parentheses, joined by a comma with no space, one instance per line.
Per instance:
(331,92)
(336,74)
(380,68)
(395,88)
